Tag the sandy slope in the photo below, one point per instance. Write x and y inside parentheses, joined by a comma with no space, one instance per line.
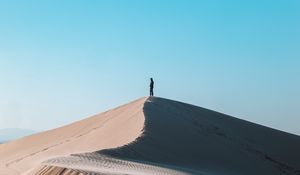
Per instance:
(107,130)
(177,138)
(192,140)
(94,163)
(187,136)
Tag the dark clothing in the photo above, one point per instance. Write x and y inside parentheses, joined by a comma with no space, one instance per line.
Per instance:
(151,88)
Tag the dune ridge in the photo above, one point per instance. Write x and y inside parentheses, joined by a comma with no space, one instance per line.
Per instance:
(171,137)
(186,139)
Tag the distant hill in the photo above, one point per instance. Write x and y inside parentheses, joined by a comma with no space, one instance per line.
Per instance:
(9,134)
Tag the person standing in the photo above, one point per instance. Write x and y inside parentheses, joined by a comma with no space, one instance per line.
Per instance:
(151,86)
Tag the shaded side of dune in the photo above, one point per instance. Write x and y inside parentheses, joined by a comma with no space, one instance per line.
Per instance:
(195,138)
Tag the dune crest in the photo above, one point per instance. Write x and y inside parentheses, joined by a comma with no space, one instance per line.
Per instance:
(161,136)
(192,140)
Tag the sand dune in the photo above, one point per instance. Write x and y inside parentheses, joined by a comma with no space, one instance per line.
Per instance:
(107,130)
(155,136)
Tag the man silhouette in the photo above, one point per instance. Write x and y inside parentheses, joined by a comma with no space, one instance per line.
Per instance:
(151,86)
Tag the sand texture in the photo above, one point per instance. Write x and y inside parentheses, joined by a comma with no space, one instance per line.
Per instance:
(110,129)
(155,136)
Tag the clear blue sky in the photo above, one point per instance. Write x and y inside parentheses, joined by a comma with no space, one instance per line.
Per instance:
(61,61)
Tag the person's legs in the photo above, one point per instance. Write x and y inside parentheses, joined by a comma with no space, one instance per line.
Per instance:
(151,92)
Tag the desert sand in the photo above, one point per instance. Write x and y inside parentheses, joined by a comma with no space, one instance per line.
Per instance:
(155,136)
(107,130)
